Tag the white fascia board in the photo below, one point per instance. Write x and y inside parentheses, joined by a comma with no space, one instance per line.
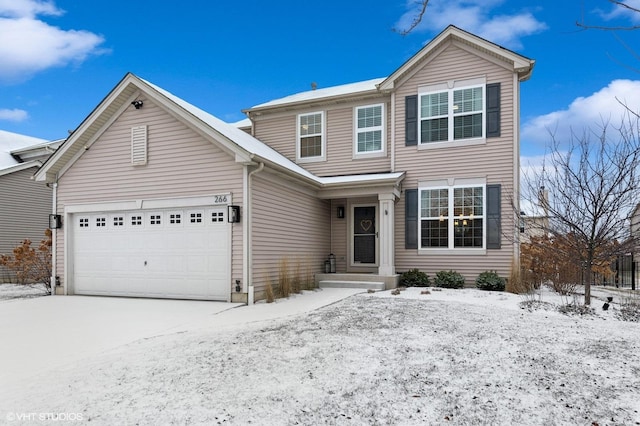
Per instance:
(20,167)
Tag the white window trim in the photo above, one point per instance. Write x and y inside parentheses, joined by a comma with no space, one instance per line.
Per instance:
(323,136)
(450,186)
(383,129)
(450,87)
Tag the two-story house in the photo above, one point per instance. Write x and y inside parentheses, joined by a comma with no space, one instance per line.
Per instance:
(415,170)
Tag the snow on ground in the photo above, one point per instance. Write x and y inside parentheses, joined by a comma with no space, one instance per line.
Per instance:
(448,357)
(18,291)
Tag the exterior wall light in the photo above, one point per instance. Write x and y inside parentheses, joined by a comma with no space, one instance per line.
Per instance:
(55,221)
(233,215)
(340,212)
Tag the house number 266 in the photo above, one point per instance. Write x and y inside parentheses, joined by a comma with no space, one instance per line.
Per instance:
(220,199)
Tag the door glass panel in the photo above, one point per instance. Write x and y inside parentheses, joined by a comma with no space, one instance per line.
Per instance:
(364,234)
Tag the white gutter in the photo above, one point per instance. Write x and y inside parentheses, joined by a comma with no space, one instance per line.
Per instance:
(54,241)
(247,251)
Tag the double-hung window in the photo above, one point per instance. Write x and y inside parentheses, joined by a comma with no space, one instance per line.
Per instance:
(369,130)
(454,114)
(452,217)
(311,137)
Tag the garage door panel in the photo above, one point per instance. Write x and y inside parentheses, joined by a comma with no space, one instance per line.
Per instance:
(171,253)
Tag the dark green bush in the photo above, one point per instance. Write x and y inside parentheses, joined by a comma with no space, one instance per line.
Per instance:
(490,280)
(448,279)
(414,278)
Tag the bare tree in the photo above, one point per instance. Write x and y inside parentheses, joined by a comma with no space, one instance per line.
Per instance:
(592,185)
(416,20)
(620,4)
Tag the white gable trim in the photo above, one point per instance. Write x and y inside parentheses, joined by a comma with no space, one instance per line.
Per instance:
(520,64)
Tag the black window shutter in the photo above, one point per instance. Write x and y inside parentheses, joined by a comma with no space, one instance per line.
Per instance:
(493,110)
(411,120)
(411,219)
(494,228)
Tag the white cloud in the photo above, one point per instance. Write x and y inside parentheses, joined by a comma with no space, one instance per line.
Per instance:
(620,12)
(474,16)
(13,114)
(29,45)
(27,8)
(584,114)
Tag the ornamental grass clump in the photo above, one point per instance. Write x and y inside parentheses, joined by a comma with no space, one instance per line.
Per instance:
(491,281)
(448,279)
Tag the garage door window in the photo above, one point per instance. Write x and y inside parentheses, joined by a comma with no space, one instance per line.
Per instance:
(175,218)
(118,221)
(136,220)
(195,217)
(217,216)
(155,219)
(101,222)
(84,222)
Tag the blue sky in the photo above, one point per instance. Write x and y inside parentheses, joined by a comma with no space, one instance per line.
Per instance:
(60,58)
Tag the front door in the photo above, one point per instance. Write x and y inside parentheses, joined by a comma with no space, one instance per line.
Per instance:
(364,235)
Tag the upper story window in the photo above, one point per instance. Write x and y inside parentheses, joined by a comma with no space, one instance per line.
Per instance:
(369,129)
(311,137)
(452,217)
(452,114)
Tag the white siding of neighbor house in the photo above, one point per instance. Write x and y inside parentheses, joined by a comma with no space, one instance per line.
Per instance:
(279,132)
(289,223)
(181,163)
(24,212)
(493,161)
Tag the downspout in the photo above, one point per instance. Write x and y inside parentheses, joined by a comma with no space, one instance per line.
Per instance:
(393,132)
(54,241)
(246,228)
(516,171)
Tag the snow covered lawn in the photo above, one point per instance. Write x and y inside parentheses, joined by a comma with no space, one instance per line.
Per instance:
(448,357)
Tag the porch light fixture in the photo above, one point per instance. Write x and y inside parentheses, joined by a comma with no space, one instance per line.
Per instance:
(340,212)
(233,214)
(55,221)
(137,103)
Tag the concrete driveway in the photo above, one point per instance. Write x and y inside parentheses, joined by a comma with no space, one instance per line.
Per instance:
(51,332)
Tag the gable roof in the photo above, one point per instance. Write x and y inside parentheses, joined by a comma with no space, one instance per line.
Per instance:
(517,63)
(230,138)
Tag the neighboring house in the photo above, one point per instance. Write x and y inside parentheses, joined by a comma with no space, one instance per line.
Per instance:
(26,204)
(415,170)
(536,224)
(627,265)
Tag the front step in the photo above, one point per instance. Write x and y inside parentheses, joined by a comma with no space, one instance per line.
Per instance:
(364,285)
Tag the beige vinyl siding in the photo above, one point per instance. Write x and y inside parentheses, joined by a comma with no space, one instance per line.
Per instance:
(288,223)
(493,161)
(279,132)
(24,212)
(181,163)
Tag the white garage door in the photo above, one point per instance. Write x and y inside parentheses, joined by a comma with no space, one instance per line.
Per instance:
(170,253)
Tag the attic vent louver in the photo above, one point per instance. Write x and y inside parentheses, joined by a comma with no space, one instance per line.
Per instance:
(139,145)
